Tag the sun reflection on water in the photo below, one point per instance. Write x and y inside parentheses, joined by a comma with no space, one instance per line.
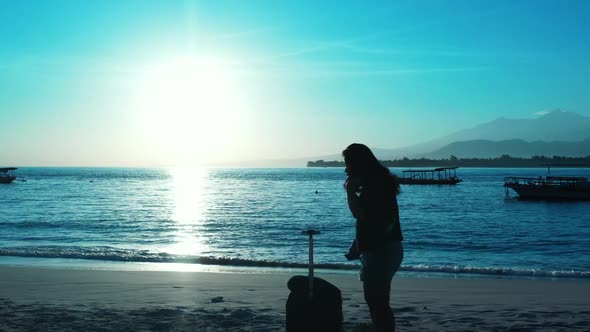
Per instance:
(190,186)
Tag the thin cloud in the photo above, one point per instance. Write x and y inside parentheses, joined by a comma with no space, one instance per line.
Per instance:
(352,69)
(239,34)
(406,71)
(446,53)
(541,113)
(64,63)
(320,46)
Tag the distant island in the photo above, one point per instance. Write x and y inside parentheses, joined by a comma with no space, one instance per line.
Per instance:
(502,161)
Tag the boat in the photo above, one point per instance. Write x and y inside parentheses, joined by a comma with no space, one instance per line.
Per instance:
(6,175)
(441,175)
(549,187)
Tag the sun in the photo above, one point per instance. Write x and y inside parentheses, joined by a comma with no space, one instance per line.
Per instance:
(189,110)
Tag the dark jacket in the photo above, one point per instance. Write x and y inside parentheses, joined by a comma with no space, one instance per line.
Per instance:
(380,219)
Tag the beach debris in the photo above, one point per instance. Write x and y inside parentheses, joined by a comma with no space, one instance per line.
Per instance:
(217,299)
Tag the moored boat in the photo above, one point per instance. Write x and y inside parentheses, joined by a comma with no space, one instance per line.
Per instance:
(6,175)
(441,175)
(549,187)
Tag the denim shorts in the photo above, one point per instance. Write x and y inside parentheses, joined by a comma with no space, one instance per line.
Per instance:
(380,265)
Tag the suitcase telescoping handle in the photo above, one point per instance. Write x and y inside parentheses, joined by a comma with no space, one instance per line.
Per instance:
(310,233)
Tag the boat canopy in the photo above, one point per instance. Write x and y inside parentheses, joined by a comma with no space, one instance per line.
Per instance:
(7,169)
(439,169)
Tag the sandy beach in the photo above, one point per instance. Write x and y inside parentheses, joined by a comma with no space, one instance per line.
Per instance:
(48,299)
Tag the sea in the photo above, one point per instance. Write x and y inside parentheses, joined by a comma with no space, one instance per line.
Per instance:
(252,220)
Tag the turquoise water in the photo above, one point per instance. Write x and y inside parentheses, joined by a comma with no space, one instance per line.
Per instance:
(253,218)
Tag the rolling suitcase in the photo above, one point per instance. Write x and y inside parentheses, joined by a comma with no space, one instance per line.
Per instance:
(314,304)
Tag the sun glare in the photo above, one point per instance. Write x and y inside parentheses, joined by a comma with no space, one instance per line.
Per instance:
(189,194)
(189,110)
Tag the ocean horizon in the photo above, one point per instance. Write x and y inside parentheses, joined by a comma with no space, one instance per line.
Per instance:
(183,218)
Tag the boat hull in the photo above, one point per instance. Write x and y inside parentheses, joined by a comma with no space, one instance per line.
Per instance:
(557,193)
(7,179)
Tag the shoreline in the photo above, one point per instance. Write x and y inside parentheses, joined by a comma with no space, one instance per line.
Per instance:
(35,298)
(406,271)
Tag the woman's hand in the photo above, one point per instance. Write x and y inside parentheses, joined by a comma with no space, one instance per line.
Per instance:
(353,188)
(353,185)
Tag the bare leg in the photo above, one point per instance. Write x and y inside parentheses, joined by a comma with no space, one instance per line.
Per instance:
(377,298)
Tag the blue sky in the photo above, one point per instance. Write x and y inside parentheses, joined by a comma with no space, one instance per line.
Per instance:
(157,83)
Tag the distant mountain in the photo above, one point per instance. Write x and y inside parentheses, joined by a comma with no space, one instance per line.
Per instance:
(556,132)
(513,147)
(555,125)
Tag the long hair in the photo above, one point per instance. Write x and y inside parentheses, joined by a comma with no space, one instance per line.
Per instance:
(361,162)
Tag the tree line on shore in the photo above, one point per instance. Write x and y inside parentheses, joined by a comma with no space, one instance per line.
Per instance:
(452,161)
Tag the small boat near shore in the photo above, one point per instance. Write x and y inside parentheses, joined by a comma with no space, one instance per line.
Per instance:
(7,175)
(549,187)
(441,175)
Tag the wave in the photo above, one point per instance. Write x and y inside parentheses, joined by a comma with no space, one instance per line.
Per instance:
(498,271)
(146,256)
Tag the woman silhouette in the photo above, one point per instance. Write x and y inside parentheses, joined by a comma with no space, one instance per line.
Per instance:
(371,192)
